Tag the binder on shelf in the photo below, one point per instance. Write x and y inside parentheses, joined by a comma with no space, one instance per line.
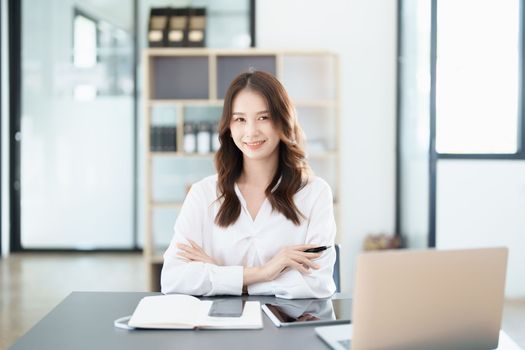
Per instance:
(197,27)
(172,139)
(178,27)
(163,139)
(158,21)
(155,142)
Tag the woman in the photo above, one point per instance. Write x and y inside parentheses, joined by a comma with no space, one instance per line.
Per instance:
(247,227)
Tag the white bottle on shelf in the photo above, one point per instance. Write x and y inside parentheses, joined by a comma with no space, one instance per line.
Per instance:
(189,138)
(215,143)
(204,138)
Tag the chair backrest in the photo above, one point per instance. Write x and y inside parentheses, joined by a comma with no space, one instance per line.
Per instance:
(337,274)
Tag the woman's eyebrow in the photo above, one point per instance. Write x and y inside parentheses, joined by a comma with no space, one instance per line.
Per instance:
(242,113)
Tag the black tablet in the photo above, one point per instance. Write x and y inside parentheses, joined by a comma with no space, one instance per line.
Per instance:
(284,313)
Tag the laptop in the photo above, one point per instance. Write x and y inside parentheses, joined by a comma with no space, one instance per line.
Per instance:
(429,299)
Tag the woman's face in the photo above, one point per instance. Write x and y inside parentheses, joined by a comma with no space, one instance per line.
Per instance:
(251,126)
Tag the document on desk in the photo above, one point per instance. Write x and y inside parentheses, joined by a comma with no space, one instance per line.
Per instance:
(178,311)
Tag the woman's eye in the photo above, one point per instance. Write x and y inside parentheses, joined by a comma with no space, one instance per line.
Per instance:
(264,117)
(238,119)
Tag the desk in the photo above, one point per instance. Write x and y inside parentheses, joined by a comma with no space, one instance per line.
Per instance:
(84,320)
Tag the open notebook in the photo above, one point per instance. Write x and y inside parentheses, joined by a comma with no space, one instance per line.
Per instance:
(177,311)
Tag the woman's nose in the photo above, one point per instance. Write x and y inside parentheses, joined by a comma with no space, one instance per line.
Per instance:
(251,128)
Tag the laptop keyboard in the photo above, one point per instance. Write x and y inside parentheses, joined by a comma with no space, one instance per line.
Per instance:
(345,343)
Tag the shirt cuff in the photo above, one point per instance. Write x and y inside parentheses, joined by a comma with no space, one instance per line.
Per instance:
(261,288)
(226,280)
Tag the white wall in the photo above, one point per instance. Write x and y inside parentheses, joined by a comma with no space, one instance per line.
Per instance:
(481,204)
(363,33)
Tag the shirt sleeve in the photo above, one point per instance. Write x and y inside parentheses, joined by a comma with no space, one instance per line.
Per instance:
(318,283)
(196,278)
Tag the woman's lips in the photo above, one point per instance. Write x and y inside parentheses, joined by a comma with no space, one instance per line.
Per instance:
(254,145)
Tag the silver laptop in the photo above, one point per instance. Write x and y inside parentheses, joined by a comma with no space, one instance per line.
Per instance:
(430,299)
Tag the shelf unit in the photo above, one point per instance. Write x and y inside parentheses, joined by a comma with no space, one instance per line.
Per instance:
(188,85)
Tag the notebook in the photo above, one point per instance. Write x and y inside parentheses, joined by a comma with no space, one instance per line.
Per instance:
(177,311)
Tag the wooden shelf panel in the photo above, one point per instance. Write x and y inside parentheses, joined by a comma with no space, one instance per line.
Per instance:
(220,102)
(149,52)
(316,103)
(321,154)
(189,102)
(166,205)
(156,259)
(182,154)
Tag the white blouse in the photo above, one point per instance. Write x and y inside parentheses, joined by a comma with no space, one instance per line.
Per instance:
(250,243)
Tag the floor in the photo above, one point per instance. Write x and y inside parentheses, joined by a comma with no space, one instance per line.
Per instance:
(31,284)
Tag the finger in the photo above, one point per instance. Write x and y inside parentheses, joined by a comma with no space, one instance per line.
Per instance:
(295,263)
(188,250)
(299,267)
(198,250)
(198,254)
(194,257)
(311,256)
(186,256)
(303,247)
(307,254)
(300,258)
(196,246)
(182,246)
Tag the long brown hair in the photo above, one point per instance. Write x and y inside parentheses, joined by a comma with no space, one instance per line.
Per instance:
(292,170)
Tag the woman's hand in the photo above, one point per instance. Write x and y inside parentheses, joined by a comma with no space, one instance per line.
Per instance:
(193,252)
(292,257)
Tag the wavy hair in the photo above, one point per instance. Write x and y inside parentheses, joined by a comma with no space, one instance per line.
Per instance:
(292,170)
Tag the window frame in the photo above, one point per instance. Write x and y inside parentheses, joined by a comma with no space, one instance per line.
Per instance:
(433,155)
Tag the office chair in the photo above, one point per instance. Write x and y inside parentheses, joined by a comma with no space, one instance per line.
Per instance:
(337,274)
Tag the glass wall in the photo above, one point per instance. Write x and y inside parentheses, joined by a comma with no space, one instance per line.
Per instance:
(414,121)
(77,117)
(77,124)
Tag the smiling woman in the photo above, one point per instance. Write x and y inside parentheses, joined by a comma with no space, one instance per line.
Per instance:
(247,228)
(258,109)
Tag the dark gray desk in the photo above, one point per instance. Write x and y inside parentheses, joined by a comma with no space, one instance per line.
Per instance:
(84,320)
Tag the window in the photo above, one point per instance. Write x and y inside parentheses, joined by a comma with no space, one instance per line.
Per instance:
(84,41)
(478,77)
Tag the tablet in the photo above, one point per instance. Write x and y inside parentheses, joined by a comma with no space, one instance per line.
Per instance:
(305,312)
